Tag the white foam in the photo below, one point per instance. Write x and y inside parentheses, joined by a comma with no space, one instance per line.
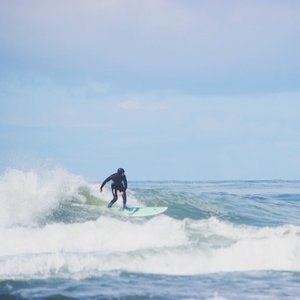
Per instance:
(104,235)
(27,195)
(160,245)
(94,246)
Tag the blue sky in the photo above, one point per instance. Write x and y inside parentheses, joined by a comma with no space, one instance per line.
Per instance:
(187,90)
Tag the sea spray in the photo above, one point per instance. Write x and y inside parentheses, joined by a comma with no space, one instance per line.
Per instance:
(26,196)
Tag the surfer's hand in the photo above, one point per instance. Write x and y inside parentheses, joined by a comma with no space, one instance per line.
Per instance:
(101,189)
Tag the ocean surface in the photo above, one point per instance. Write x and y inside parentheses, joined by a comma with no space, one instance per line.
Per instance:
(218,239)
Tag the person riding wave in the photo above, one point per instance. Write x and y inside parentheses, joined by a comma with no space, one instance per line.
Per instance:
(119,183)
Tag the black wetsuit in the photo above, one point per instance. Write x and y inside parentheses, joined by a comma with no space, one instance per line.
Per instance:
(119,184)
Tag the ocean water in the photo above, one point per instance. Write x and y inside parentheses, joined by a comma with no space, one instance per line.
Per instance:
(218,239)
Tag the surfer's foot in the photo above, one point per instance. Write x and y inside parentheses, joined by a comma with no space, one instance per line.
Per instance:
(125,207)
(109,205)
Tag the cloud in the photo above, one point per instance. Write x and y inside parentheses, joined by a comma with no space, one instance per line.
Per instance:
(130,105)
(162,37)
(37,102)
(146,105)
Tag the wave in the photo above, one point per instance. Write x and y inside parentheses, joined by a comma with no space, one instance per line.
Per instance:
(55,224)
(28,196)
(40,197)
(34,198)
(161,245)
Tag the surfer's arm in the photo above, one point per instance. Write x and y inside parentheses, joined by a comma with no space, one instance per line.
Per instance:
(105,181)
(125,182)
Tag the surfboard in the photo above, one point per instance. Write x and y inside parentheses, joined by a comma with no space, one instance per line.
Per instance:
(139,211)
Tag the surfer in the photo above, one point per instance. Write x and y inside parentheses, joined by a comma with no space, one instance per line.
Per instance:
(119,184)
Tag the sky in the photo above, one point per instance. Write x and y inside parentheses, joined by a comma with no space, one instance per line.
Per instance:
(166,89)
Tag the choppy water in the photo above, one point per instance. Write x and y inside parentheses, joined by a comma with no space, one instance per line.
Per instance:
(218,240)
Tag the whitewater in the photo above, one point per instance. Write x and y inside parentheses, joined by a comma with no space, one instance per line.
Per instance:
(217,240)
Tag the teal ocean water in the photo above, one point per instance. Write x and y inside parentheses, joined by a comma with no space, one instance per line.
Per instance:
(218,239)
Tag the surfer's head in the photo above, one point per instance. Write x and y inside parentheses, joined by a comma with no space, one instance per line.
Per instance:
(121,171)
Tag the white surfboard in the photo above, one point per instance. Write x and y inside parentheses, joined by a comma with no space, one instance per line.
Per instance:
(139,211)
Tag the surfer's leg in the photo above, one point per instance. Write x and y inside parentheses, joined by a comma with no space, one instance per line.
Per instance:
(124,199)
(115,197)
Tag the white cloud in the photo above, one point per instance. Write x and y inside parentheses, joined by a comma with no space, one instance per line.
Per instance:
(160,35)
(130,105)
(145,105)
